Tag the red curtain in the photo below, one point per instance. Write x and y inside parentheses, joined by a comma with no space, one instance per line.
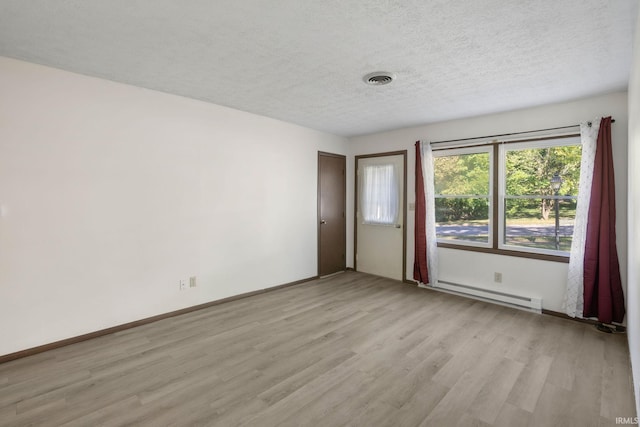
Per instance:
(420,271)
(603,297)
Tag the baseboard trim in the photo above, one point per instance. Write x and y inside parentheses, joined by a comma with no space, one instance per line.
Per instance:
(564,316)
(73,340)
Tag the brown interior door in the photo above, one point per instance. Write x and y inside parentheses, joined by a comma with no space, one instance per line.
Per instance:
(331,213)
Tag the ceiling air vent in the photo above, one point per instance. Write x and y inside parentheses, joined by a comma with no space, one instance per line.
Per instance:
(379,78)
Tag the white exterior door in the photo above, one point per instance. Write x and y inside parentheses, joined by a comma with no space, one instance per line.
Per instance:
(380,215)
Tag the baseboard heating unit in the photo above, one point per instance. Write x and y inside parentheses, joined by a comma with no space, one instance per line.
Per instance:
(503,298)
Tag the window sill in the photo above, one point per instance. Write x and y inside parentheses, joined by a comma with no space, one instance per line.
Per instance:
(520,254)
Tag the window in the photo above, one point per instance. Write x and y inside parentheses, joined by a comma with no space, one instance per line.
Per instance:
(379,198)
(539,189)
(535,196)
(463,193)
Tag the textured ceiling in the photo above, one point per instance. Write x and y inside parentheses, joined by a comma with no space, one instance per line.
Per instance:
(302,61)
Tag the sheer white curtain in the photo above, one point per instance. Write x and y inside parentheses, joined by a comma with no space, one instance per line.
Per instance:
(380,195)
(429,192)
(574,295)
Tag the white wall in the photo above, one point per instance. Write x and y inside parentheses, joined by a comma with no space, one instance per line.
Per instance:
(522,276)
(633,288)
(110,194)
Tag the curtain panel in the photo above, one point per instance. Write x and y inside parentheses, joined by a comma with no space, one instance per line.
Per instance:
(379,195)
(420,268)
(574,295)
(594,287)
(603,297)
(423,149)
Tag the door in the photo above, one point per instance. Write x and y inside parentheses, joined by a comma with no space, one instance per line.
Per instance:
(380,239)
(332,223)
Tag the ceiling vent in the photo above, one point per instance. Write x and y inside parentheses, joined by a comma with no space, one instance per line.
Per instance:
(379,78)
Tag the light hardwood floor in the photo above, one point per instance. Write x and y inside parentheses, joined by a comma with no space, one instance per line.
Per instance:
(347,350)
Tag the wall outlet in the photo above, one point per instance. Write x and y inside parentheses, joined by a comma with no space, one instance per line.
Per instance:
(192,281)
(183,285)
(497,277)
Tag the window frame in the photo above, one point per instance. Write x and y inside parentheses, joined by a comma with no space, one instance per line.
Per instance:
(490,196)
(502,190)
(497,215)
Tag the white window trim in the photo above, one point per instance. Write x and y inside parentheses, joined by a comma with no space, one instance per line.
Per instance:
(473,150)
(548,143)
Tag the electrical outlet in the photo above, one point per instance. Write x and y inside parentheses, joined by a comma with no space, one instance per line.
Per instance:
(497,277)
(183,285)
(192,281)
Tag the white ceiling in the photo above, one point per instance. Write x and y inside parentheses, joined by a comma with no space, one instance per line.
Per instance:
(302,61)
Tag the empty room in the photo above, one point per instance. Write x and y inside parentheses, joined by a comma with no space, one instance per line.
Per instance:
(296,213)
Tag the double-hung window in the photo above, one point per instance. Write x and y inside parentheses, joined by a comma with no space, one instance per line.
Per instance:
(538,192)
(508,197)
(463,188)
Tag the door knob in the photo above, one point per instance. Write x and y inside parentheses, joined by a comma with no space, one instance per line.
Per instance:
(322,221)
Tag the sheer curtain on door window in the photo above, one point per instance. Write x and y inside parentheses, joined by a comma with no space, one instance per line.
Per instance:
(379,195)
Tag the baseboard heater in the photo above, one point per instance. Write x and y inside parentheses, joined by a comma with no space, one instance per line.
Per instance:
(517,301)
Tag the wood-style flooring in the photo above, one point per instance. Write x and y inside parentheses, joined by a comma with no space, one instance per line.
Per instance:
(352,350)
